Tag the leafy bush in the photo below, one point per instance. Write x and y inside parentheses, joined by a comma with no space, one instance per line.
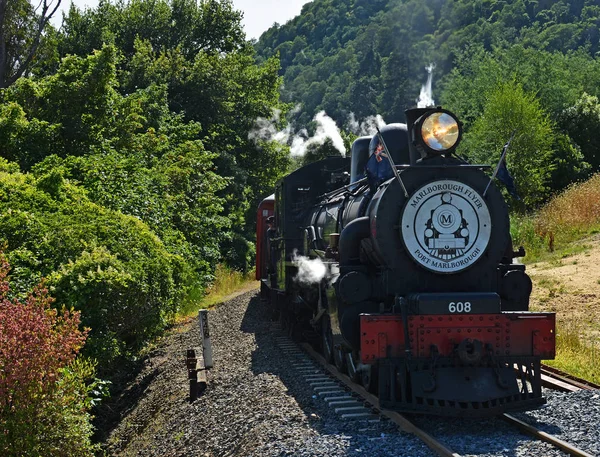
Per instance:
(109,266)
(44,397)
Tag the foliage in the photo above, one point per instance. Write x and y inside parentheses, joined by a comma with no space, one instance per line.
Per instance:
(582,122)
(355,55)
(195,52)
(109,266)
(25,37)
(140,167)
(227,282)
(510,110)
(557,79)
(370,57)
(44,393)
(130,173)
(315,152)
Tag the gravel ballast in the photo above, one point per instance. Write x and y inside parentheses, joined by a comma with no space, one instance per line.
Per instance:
(257,404)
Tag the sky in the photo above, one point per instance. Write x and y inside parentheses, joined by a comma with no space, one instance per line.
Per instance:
(259,15)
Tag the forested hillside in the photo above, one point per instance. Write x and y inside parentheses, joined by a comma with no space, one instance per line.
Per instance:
(537,59)
(366,56)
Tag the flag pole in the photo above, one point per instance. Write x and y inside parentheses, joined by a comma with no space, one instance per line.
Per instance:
(502,156)
(391,161)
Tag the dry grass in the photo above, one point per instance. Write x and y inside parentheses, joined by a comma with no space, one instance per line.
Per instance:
(227,282)
(568,217)
(576,210)
(577,354)
(563,263)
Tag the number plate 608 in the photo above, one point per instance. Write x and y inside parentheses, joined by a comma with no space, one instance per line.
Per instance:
(459,307)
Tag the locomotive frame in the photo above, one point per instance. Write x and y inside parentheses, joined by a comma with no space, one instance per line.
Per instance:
(418,297)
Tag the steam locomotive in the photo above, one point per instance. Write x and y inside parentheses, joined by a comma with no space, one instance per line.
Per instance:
(419,299)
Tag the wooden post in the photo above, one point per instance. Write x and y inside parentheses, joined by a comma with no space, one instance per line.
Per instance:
(205,336)
(196,373)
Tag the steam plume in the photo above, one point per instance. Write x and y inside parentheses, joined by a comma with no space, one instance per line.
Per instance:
(310,271)
(267,130)
(368,126)
(326,128)
(426,97)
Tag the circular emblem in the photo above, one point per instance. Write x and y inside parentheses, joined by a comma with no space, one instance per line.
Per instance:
(446,226)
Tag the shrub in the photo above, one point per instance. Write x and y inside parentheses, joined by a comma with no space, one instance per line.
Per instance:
(109,266)
(575,209)
(44,399)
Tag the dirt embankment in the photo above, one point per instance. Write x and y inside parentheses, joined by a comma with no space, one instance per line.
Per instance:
(570,287)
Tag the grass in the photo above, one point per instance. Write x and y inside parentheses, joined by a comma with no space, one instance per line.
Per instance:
(560,229)
(227,282)
(575,352)
(552,233)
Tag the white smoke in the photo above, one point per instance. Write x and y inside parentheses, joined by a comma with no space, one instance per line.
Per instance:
(310,271)
(367,126)
(326,128)
(267,130)
(426,96)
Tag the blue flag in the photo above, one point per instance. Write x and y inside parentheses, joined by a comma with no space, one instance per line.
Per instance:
(506,179)
(378,168)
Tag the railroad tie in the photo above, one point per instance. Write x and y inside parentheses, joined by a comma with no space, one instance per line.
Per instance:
(331,392)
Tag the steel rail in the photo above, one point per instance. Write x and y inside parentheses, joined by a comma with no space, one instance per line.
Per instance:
(403,423)
(555,379)
(557,442)
(407,426)
(574,381)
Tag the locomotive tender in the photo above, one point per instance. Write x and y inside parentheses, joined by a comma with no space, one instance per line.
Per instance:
(420,301)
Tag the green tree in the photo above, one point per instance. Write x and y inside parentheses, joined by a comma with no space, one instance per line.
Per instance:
(315,152)
(509,110)
(197,52)
(131,153)
(22,26)
(582,123)
(395,86)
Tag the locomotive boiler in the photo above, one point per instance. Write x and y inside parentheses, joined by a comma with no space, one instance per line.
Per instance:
(417,297)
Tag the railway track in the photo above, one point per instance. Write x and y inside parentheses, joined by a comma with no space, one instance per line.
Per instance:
(351,401)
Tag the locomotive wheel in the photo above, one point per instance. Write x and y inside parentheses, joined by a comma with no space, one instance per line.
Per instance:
(368,378)
(326,339)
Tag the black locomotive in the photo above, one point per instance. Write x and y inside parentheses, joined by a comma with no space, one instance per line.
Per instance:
(417,296)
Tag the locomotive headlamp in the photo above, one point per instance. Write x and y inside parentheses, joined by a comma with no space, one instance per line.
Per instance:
(440,131)
(436,132)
